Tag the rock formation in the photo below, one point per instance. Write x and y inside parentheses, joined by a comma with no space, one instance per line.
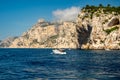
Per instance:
(48,35)
(99,30)
(93,29)
(114,21)
(7,42)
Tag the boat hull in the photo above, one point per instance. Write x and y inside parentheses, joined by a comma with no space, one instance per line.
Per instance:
(58,52)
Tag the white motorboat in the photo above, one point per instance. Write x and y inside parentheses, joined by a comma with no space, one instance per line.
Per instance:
(59,51)
(107,49)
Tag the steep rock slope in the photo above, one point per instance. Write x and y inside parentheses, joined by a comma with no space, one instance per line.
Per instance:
(98,29)
(48,35)
(7,42)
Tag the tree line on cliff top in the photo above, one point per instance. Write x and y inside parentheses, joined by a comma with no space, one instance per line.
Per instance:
(106,9)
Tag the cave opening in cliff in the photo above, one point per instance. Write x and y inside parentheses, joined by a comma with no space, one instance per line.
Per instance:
(83,34)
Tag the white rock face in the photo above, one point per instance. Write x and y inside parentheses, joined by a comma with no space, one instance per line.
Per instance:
(102,36)
(7,42)
(41,20)
(55,35)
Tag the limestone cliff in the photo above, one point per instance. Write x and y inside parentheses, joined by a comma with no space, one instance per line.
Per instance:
(95,28)
(7,42)
(99,29)
(48,35)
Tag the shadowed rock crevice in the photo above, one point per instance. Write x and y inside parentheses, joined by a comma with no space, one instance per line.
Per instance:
(113,22)
(83,34)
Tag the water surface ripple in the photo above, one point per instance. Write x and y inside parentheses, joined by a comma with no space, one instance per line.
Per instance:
(40,64)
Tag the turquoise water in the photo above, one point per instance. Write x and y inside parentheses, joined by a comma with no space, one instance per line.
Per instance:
(40,64)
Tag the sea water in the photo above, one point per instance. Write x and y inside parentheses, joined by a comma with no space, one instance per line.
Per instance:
(41,64)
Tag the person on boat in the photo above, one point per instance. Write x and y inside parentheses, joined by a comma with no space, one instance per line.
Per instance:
(61,50)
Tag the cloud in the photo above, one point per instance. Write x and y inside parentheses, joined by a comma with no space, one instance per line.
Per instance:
(68,14)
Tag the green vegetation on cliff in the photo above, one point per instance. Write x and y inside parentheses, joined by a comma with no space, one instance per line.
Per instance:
(108,31)
(119,44)
(106,9)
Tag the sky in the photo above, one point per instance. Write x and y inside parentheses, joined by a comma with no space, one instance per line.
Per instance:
(17,16)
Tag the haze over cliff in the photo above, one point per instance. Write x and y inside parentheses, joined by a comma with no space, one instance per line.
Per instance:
(94,28)
(7,42)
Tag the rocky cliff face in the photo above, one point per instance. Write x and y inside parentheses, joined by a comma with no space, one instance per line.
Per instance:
(48,35)
(91,30)
(98,30)
(7,42)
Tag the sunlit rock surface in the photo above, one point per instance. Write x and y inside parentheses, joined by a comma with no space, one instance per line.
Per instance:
(91,30)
